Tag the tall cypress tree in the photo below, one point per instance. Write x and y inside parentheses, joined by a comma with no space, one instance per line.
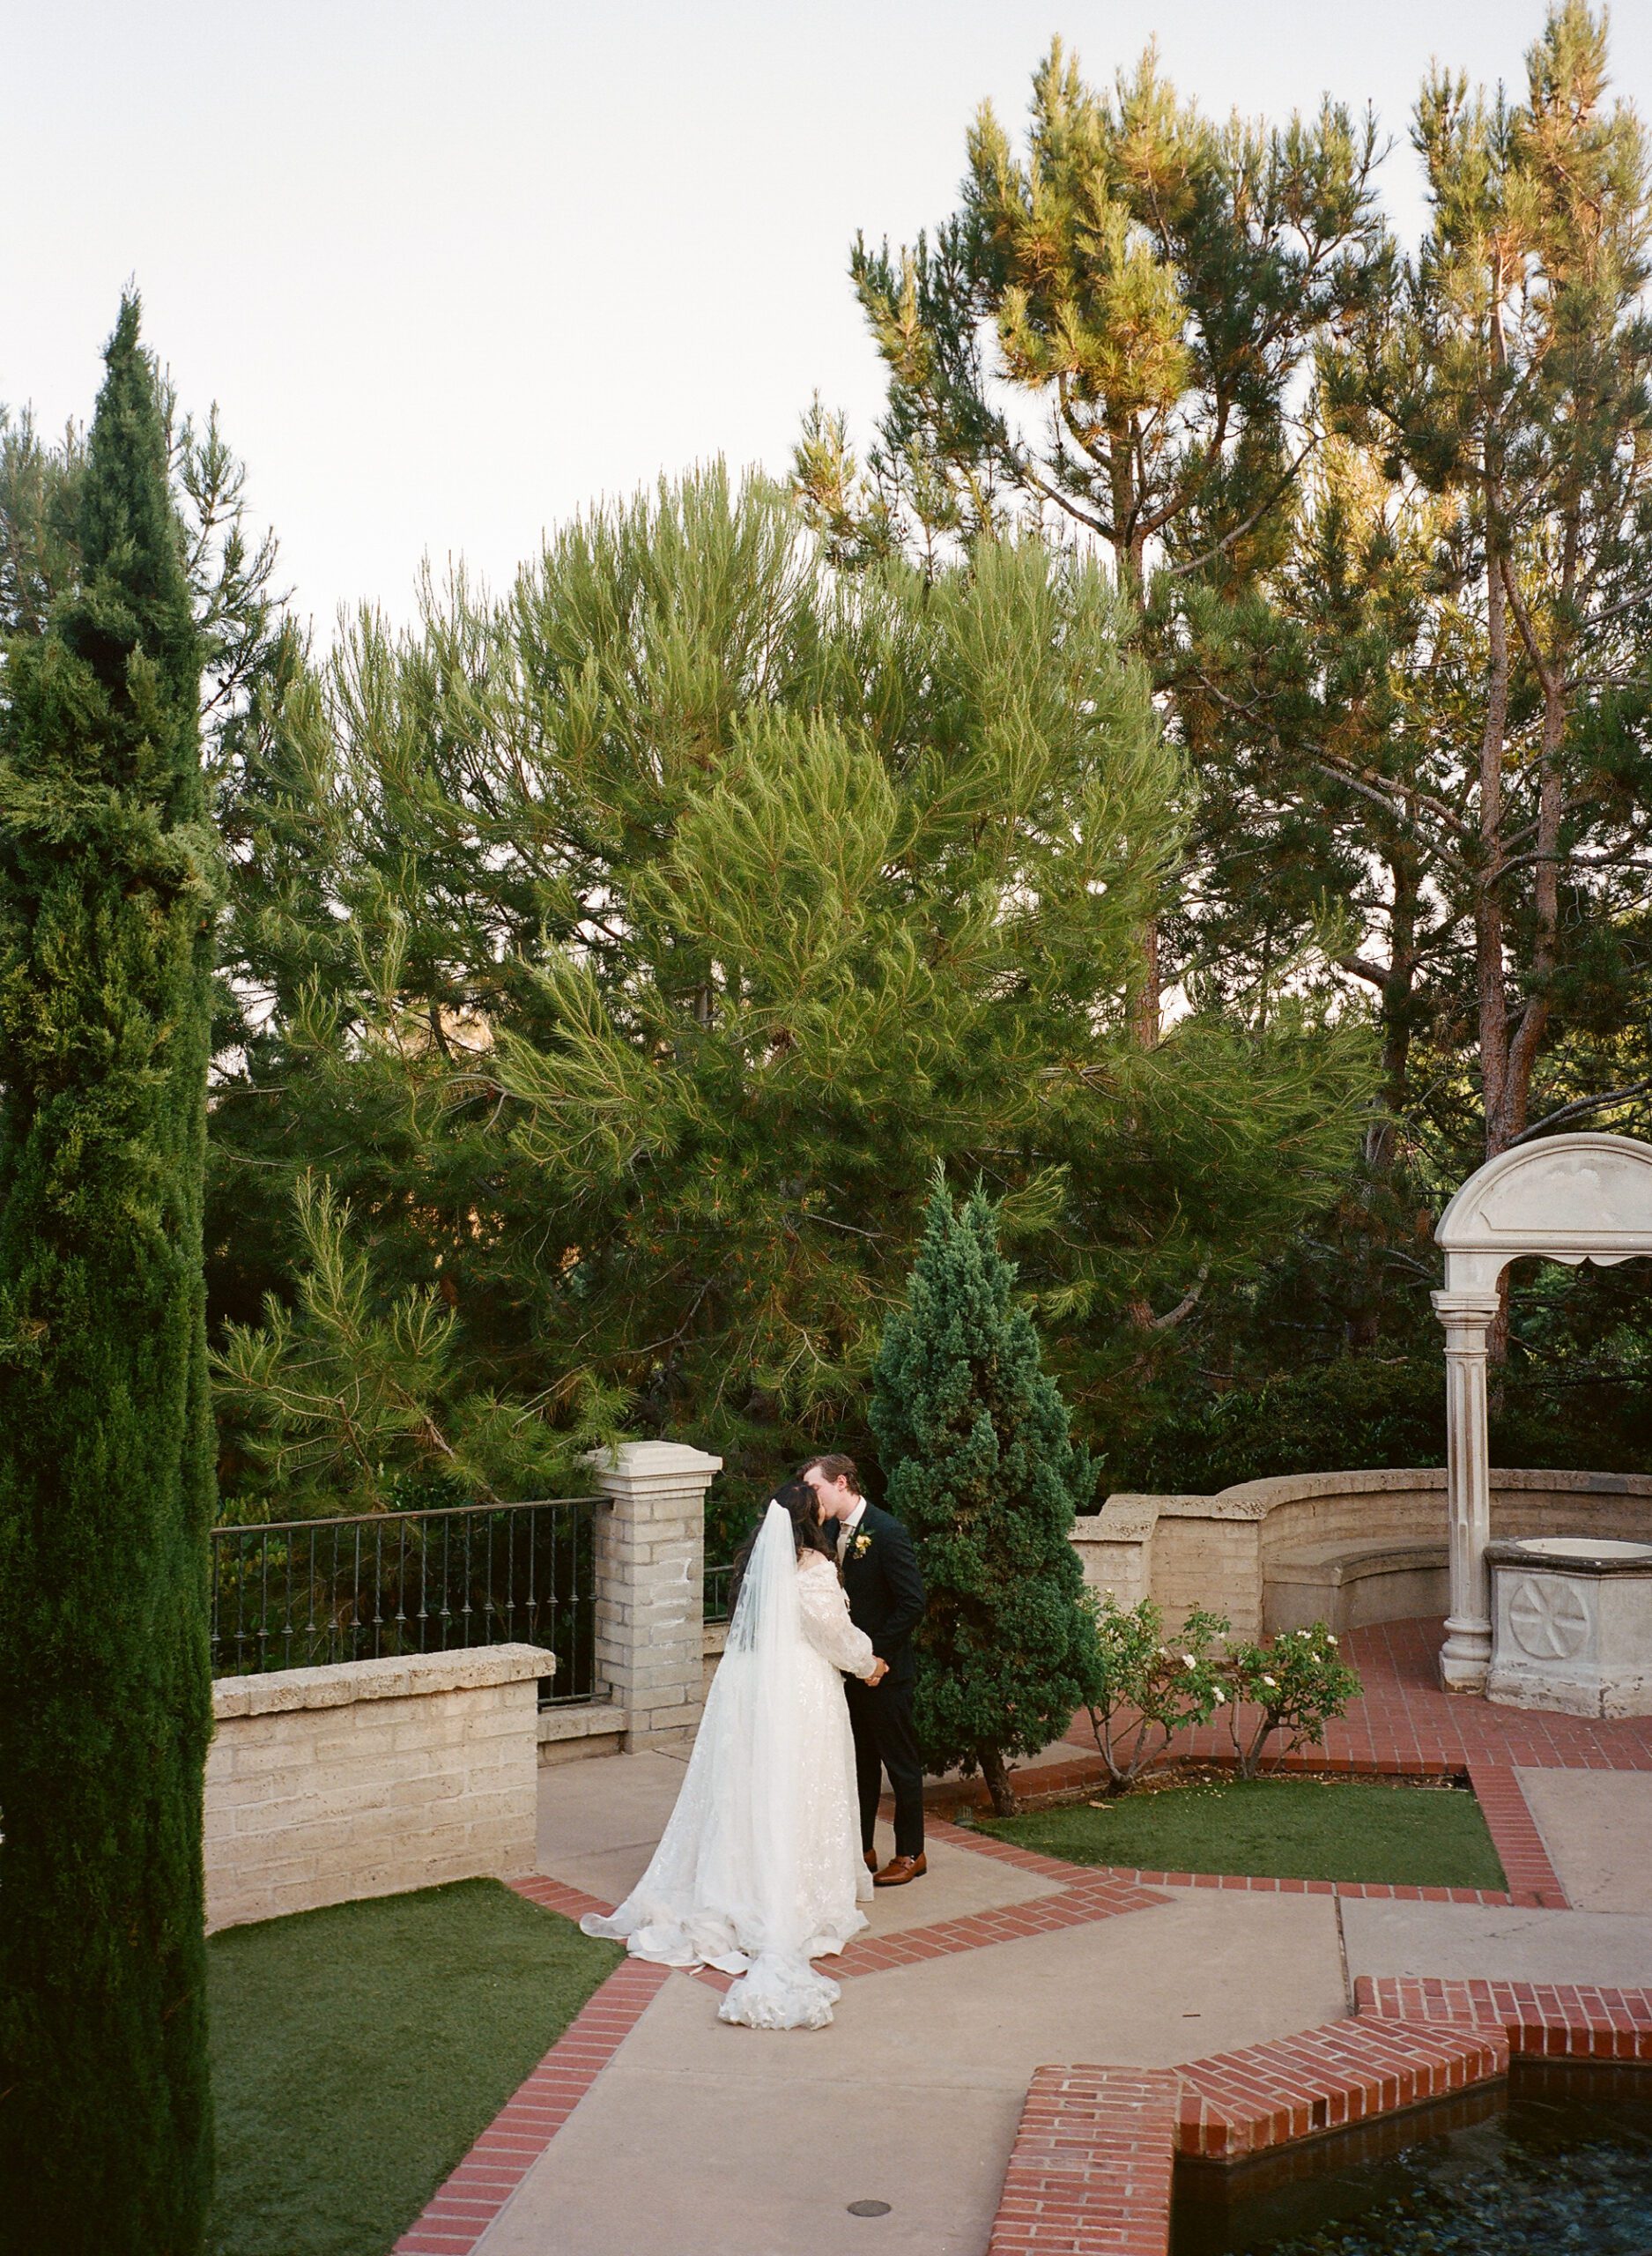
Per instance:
(973,1437)
(108,883)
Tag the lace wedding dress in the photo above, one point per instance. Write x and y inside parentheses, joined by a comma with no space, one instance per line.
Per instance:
(759,1868)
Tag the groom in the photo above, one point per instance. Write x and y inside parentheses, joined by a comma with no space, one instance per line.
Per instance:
(885,1594)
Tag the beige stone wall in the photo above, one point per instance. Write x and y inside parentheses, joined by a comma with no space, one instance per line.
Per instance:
(1215,1551)
(323,1784)
(573,1734)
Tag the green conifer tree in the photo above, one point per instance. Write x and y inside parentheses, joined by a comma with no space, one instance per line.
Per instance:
(108,887)
(974,1438)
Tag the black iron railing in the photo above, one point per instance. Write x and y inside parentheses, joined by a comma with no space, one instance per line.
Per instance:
(717,1582)
(303,1594)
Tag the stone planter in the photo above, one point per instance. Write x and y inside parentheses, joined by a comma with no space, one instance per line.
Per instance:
(1572,1625)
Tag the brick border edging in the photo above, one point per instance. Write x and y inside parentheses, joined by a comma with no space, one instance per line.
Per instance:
(467,2201)
(1091,2168)
(1531,1878)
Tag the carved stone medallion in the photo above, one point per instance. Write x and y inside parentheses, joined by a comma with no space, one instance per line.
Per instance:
(1550,1618)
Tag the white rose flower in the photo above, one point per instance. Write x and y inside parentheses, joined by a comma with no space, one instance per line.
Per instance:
(1271,1683)
(1187,1661)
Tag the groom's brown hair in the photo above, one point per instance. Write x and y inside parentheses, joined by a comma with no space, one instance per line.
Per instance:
(838,1468)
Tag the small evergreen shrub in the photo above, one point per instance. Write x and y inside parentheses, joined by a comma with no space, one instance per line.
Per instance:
(973,1437)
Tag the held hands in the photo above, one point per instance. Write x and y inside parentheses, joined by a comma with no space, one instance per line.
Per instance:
(876,1674)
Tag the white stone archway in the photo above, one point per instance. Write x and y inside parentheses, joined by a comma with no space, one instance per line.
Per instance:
(1569,1198)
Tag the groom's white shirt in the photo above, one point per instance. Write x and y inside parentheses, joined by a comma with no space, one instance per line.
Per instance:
(846,1528)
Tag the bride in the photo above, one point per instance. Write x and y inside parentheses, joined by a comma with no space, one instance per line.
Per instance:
(760,1869)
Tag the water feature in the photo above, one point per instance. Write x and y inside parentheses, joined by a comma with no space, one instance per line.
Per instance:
(1559,2165)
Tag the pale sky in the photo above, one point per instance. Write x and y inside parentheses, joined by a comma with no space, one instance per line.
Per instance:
(452,272)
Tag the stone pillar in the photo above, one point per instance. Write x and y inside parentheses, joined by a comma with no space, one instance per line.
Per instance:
(651,1601)
(1466,1655)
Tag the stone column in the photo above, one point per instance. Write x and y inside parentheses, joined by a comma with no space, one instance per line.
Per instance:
(1466,1655)
(650,1606)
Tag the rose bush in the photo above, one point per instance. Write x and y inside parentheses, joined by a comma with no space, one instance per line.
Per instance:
(1295,1682)
(1150,1686)
(1148,1689)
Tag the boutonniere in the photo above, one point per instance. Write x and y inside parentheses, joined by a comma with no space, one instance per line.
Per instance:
(860,1546)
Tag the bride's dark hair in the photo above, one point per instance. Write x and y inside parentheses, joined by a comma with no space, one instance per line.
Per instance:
(807,1534)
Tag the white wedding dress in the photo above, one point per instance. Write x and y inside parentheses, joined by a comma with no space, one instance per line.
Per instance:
(759,1868)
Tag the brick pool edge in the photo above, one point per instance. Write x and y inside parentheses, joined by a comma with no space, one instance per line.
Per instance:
(1091,2171)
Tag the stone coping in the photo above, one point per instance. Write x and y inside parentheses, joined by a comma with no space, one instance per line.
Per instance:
(402,1676)
(1131,1513)
(1351,1561)
(1610,1559)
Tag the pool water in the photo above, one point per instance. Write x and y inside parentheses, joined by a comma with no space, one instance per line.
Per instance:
(1565,2166)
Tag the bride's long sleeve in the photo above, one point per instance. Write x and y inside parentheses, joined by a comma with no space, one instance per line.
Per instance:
(825,1614)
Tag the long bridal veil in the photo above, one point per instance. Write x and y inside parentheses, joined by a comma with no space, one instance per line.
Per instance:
(725,1887)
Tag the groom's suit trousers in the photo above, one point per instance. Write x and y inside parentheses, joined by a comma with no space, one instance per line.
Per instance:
(881,1719)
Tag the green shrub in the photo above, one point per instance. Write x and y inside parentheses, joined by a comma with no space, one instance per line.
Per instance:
(1346,1416)
(1296,1682)
(1153,1687)
(1150,1688)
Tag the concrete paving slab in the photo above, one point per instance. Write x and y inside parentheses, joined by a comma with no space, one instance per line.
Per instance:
(599,1822)
(614,1801)
(1204,1970)
(675,2166)
(1597,1826)
(1471,1940)
(958,1883)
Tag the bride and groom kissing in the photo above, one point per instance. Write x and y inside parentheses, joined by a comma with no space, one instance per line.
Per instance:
(769,1854)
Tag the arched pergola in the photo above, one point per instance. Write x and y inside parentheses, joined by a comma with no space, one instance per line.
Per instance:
(1569,1198)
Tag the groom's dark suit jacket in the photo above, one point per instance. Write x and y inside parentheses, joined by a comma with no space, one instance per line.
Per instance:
(884,1591)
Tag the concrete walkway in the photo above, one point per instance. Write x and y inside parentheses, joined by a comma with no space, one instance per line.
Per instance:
(699,2140)
(1597,1826)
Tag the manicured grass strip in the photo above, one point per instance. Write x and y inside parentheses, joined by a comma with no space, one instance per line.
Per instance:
(358,2052)
(1278,1829)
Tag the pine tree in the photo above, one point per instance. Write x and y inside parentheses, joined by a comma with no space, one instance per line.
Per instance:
(1513,377)
(108,888)
(972,1436)
(693,906)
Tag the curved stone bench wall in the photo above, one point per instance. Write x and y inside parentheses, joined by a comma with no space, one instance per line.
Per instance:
(1215,1551)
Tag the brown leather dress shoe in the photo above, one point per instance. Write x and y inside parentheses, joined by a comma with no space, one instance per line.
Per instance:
(871,1862)
(900,1870)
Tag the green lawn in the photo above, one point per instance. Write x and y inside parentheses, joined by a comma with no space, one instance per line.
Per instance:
(358,2051)
(1278,1829)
